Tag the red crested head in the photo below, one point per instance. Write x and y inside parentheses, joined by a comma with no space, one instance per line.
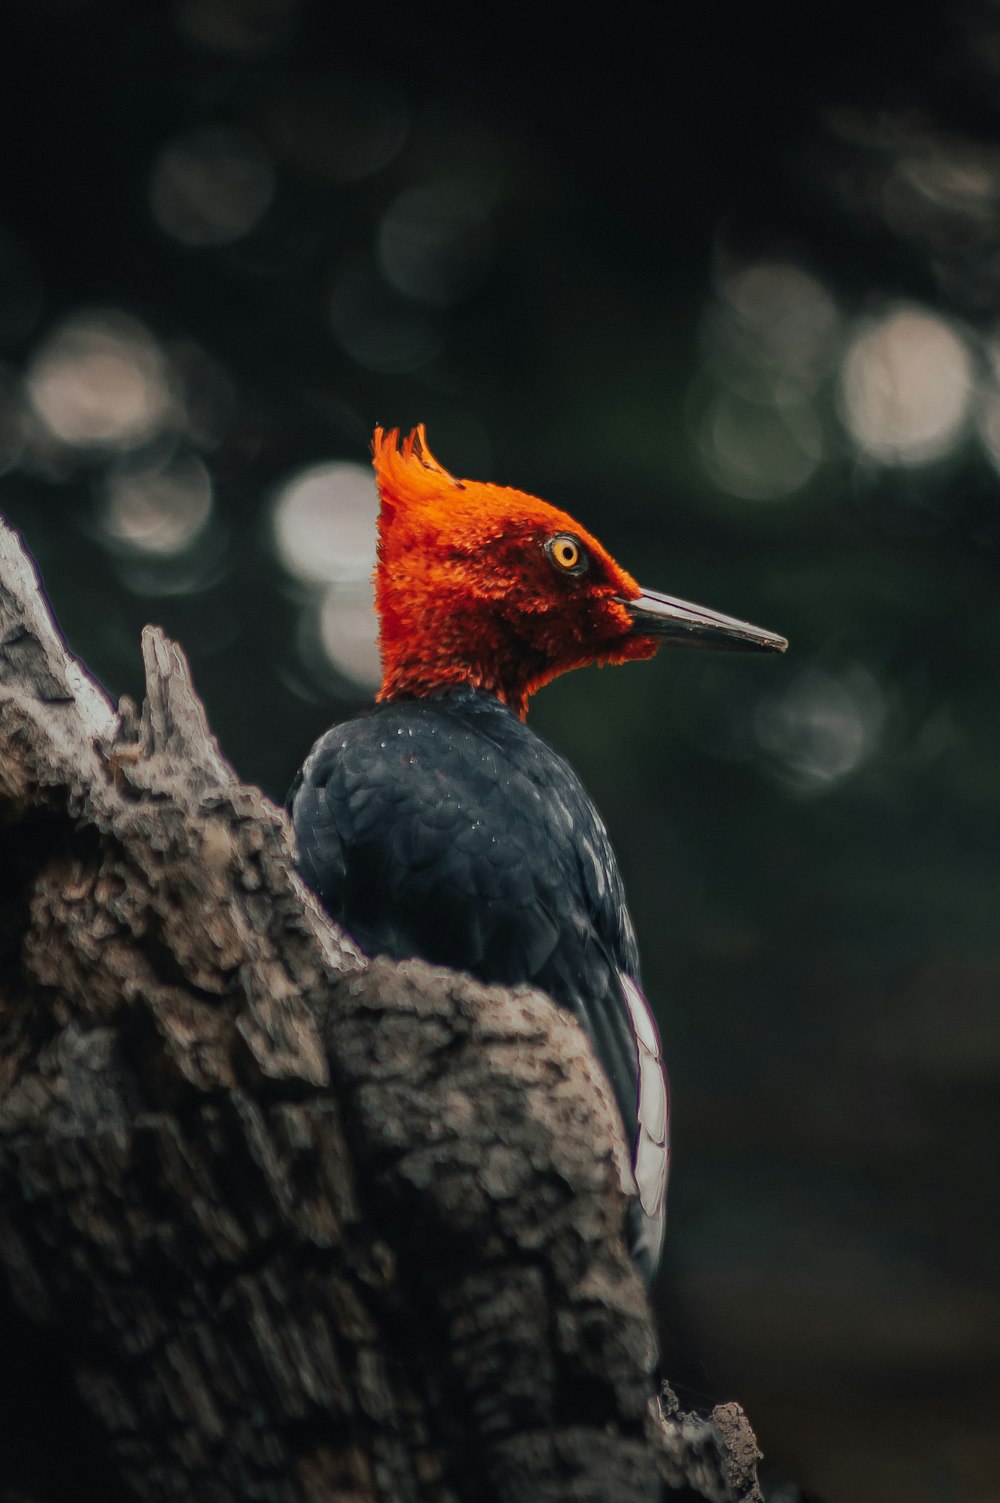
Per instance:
(483,585)
(478,584)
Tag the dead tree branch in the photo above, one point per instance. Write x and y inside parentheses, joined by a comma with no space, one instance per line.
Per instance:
(277,1222)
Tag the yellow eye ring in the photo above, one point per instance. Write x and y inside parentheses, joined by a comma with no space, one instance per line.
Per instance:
(566,553)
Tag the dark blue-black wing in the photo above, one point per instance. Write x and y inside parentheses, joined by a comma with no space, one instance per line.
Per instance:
(446,830)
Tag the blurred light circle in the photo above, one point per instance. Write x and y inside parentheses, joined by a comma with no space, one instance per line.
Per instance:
(906,387)
(100,381)
(209,396)
(240,28)
(348,631)
(822,728)
(211,186)
(157,509)
(778,315)
(760,452)
(343,129)
(435,242)
(377,329)
(324,523)
(988,423)
(960,181)
(988,404)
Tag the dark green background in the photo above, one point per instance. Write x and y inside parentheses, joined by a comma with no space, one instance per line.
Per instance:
(825,958)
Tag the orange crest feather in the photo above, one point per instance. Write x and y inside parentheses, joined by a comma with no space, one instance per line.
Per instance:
(407,471)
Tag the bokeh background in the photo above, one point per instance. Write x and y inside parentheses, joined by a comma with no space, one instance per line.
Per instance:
(724,281)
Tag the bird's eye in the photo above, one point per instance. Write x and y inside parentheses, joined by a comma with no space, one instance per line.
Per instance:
(566,553)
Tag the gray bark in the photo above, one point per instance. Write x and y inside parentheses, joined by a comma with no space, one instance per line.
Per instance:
(278,1222)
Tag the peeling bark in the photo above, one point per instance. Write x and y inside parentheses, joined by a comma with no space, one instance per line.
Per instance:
(276,1221)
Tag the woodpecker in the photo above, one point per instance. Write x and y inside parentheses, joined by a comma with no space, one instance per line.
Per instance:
(437,825)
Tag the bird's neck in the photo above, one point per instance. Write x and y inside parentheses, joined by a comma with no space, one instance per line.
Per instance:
(416,665)
(416,678)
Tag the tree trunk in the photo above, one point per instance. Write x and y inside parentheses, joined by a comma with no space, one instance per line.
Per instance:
(278,1222)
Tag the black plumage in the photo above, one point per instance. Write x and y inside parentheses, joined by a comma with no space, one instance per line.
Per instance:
(443,828)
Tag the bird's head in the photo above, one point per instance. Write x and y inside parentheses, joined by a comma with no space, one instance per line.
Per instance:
(483,585)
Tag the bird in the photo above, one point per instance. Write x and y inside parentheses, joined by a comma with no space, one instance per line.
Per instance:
(437,825)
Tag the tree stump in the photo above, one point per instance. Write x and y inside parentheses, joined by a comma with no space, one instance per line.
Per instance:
(279,1222)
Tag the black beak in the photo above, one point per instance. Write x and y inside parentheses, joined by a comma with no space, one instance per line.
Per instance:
(686,625)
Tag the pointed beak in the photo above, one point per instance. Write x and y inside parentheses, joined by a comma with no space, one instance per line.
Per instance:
(686,625)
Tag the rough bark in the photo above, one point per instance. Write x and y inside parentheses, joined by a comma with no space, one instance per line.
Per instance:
(278,1222)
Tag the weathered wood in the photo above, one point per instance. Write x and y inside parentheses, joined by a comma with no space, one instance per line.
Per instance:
(277,1222)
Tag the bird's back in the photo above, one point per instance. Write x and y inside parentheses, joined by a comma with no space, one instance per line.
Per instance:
(444,828)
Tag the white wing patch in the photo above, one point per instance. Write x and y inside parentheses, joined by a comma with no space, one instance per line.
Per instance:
(651,1151)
